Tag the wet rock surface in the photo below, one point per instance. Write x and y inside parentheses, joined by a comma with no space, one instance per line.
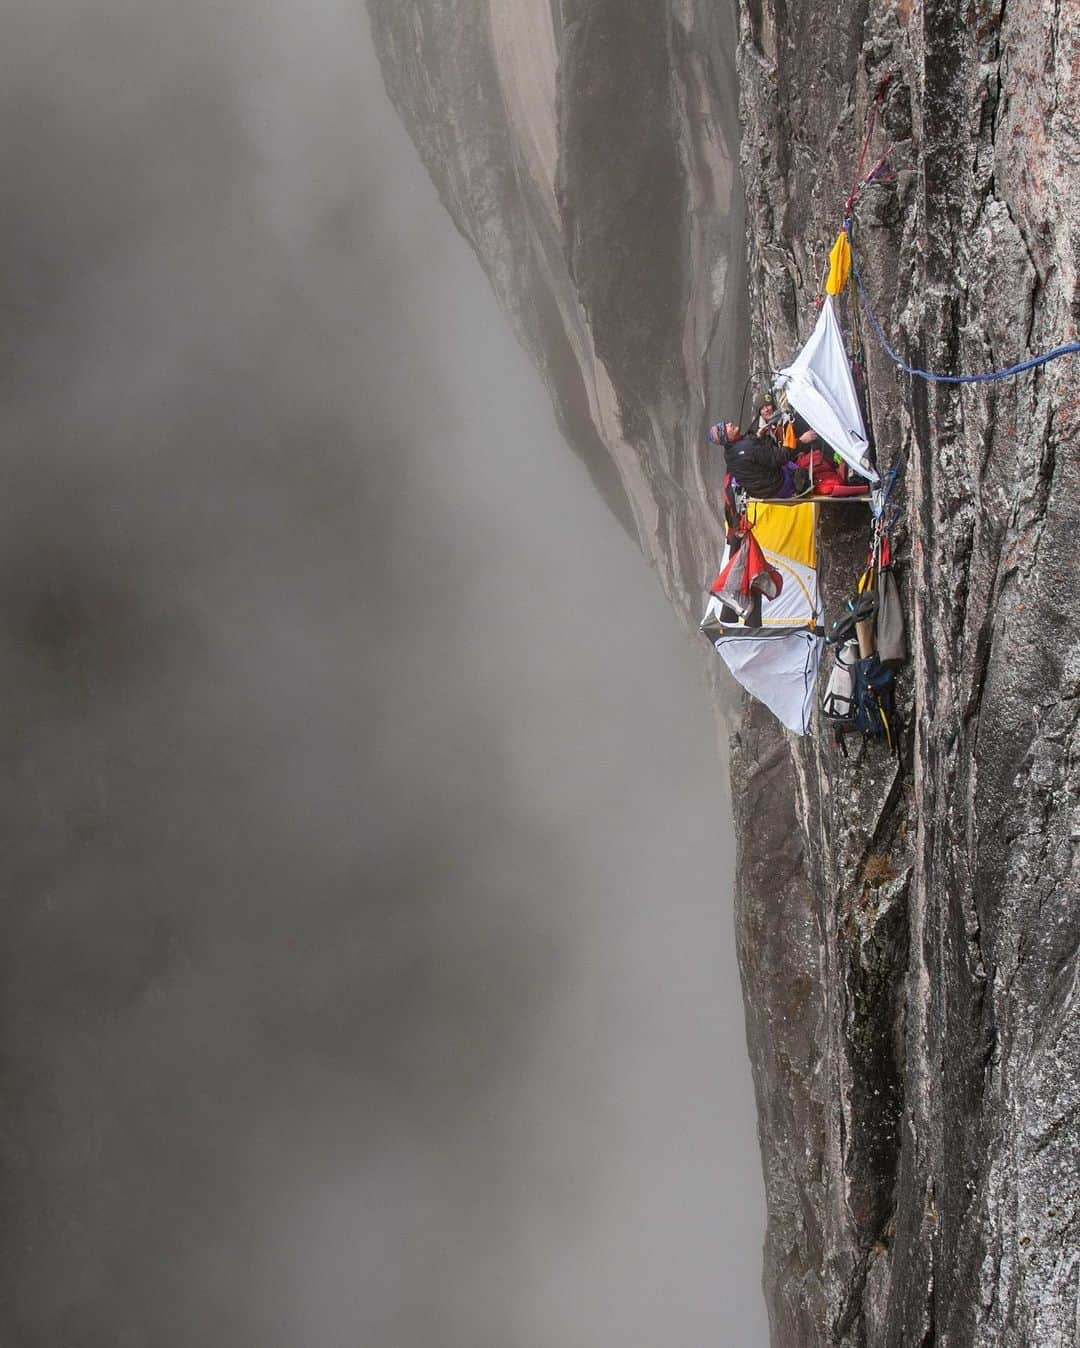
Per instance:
(908,927)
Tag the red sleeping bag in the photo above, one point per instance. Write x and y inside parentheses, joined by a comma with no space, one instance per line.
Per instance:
(826,477)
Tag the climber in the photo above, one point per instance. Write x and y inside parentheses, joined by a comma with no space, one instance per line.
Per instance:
(819,471)
(761,467)
(769,422)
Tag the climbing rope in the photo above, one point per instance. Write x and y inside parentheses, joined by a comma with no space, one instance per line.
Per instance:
(871,117)
(1068,349)
(880,173)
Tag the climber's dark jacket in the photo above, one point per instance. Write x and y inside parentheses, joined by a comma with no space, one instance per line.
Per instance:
(758,463)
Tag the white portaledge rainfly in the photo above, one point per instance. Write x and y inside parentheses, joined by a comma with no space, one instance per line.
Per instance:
(775,653)
(773,645)
(819,386)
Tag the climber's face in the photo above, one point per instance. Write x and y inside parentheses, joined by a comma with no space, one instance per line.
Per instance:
(724,433)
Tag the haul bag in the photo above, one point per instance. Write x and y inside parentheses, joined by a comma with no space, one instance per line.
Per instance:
(891,644)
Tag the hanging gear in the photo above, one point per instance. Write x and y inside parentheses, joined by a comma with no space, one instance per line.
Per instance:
(870,652)
(875,701)
(857,611)
(838,704)
(747,577)
(891,642)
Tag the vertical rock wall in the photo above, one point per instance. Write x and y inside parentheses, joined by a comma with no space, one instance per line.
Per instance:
(924,1187)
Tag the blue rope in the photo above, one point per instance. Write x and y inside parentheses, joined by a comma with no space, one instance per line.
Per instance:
(1068,349)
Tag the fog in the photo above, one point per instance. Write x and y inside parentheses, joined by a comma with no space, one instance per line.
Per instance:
(368,975)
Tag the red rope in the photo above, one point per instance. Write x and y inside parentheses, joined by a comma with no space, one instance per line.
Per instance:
(870,120)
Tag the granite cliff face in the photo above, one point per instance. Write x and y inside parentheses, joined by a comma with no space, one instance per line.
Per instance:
(908,931)
(588,153)
(923,1167)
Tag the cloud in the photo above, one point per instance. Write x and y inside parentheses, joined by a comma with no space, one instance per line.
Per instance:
(322,823)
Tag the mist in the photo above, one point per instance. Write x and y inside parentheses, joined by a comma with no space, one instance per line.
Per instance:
(369,968)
